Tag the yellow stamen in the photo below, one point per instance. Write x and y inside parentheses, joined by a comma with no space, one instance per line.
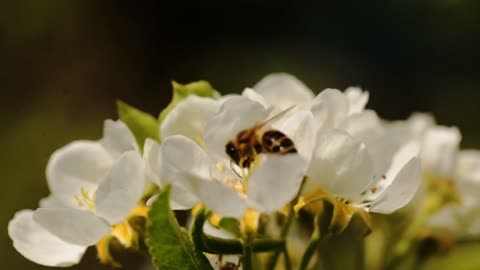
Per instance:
(141,210)
(215,220)
(249,222)
(196,209)
(85,200)
(103,252)
(125,234)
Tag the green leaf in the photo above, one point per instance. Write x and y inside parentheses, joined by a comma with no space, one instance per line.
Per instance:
(142,124)
(170,245)
(182,91)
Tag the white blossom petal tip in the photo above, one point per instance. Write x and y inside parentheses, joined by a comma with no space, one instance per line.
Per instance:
(117,138)
(74,226)
(284,90)
(330,108)
(439,150)
(357,99)
(401,190)
(189,117)
(40,246)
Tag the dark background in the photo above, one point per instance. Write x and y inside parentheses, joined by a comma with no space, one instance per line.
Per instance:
(64,63)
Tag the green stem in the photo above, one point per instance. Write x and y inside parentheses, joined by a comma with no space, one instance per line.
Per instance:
(248,253)
(286,258)
(312,246)
(404,245)
(283,234)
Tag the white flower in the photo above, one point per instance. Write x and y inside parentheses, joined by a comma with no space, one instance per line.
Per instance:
(94,186)
(463,219)
(343,168)
(330,107)
(438,145)
(225,188)
(439,150)
(188,119)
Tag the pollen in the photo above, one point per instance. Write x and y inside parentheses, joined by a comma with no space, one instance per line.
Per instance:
(220,167)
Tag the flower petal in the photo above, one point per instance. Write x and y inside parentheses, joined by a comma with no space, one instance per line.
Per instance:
(251,94)
(329,108)
(217,196)
(182,157)
(439,151)
(468,165)
(419,123)
(276,182)
(80,164)
(181,198)
(117,138)
(300,128)
(236,114)
(357,99)
(152,159)
(341,165)
(40,246)
(367,128)
(122,187)
(74,226)
(189,118)
(52,202)
(467,174)
(180,154)
(284,90)
(401,190)
(187,167)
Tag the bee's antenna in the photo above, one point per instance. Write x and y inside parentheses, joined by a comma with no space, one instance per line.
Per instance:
(278,115)
(233,169)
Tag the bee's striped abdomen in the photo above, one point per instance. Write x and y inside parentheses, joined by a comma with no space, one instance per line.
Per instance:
(276,142)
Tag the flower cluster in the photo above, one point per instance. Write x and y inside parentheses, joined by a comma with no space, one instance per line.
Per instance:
(275,172)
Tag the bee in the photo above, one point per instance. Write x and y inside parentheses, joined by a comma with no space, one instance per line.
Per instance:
(252,141)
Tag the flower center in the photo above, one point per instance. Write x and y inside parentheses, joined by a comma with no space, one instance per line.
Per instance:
(86,200)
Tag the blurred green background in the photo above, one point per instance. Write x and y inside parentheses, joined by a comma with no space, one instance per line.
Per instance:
(64,63)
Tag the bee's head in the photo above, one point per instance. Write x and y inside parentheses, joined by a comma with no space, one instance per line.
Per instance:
(232,152)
